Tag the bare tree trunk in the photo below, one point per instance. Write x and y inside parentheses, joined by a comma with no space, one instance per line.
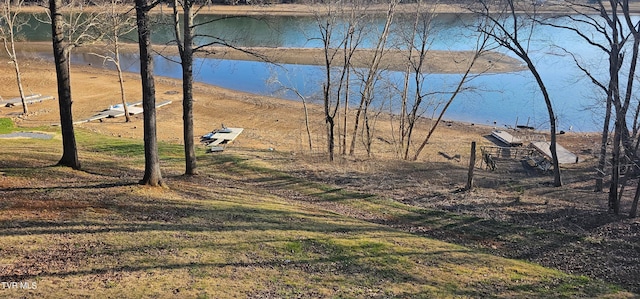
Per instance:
(185,47)
(187,90)
(615,60)
(372,74)
(633,213)
(557,179)
(60,54)
(417,40)
(368,131)
(330,108)
(602,160)
(329,119)
(404,148)
(346,106)
(116,58)
(306,123)
(446,106)
(306,119)
(480,48)
(356,124)
(614,200)
(16,67)
(112,25)
(437,122)
(631,77)
(152,174)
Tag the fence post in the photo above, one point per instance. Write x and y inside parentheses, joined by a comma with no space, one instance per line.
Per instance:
(472,164)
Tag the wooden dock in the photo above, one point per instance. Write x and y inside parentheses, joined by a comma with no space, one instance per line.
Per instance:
(216,139)
(118,110)
(564,155)
(30,99)
(133,110)
(506,138)
(224,136)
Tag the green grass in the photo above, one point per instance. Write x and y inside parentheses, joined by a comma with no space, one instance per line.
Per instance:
(226,233)
(6,125)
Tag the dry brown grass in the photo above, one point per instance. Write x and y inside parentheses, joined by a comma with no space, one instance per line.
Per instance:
(239,229)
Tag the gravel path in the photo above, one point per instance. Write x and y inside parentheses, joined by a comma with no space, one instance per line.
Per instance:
(26,135)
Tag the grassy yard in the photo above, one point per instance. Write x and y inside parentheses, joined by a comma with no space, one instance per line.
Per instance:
(240,229)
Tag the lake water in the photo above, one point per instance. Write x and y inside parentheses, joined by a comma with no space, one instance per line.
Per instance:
(500,98)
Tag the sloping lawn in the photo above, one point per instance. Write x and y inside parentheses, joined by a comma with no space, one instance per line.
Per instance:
(96,233)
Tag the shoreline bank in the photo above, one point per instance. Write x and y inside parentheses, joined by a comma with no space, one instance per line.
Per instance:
(437,62)
(312,9)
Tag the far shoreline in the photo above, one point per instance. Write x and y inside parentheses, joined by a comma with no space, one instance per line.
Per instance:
(439,61)
(291,9)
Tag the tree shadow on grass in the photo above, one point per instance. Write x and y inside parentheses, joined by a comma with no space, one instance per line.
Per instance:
(350,270)
(234,210)
(569,233)
(565,251)
(71,187)
(158,215)
(315,190)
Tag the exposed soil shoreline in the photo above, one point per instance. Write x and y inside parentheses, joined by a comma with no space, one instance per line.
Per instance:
(441,62)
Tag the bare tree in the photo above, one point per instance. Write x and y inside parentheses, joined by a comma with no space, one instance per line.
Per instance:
(621,95)
(416,39)
(512,30)
(369,78)
(116,24)
(185,34)
(327,22)
(61,56)
(481,44)
(79,26)
(185,44)
(609,27)
(306,117)
(68,34)
(10,22)
(152,173)
(342,30)
(353,38)
(416,96)
(282,87)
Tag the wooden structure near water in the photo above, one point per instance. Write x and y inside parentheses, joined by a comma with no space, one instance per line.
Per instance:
(217,138)
(507,152)
(30,99)
(506,138)
(564,155)
(118,110)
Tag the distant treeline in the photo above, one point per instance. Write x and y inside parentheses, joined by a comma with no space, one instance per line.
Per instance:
(243,2)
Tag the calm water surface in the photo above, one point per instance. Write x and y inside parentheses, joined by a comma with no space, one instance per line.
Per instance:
(501,98)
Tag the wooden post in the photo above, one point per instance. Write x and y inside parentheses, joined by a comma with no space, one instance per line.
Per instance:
(472,164)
